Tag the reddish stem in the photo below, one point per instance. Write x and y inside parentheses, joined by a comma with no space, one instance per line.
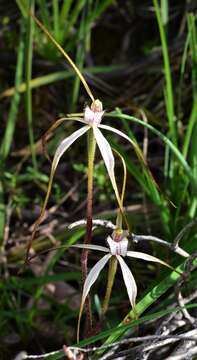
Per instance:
(88,237)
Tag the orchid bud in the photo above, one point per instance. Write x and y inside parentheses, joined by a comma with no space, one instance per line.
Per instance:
(97,106)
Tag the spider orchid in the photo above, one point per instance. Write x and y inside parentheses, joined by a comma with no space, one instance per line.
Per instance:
(92,119)
(118,248)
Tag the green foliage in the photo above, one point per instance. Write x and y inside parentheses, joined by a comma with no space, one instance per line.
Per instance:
(172,122)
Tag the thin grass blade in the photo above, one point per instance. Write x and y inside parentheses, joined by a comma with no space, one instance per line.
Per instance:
(168,77)
(134,145)
(166,141)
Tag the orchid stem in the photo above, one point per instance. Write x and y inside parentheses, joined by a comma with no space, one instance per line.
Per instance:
(88,237)
(110,282)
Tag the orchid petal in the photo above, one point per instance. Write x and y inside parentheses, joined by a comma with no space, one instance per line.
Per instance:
(57,123)
(146,257)
(90,280)
(91,247)
(133,143)
(108,158)
(64,145)
(129,281)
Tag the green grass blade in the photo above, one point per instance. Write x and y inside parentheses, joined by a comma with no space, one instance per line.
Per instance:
(191,122)
(168,78)
(2,214)
(99,8)
(56,21)
(118,330)
(193,44)
(11,121)
(164,13)
(193,117)
(182,72)
(9,131)
(151,297)
(79,61)
(165,140)
(57,76)
(74,15)
(45,16)
(65,11)
(28,98)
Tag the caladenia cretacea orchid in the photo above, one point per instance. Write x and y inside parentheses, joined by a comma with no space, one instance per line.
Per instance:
(116,251)
(91,119)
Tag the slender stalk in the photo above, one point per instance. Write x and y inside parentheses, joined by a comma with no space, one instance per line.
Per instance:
(110,282)
(29,52)
(168,76)
(9,131)
(88,237)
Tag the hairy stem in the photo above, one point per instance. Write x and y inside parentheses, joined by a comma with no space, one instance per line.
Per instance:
(88,237)
(110,282)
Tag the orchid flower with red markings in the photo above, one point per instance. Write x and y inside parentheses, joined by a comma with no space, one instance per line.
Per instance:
(92,120)
(118,248)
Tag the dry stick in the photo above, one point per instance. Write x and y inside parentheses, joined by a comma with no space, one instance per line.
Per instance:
(180,300)
(186,337)
(183,232)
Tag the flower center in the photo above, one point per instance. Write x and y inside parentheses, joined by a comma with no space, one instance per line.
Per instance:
(118,248)
(93,115)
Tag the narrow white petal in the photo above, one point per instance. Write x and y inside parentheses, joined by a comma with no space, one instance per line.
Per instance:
(93,275)
(110,128)
(65,144)
(129,281)
(146,257)
(91,247)
(90,280)
(133,143)
(108,158)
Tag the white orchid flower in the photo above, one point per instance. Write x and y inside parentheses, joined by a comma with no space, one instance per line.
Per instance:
(92,119)
(119,249)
